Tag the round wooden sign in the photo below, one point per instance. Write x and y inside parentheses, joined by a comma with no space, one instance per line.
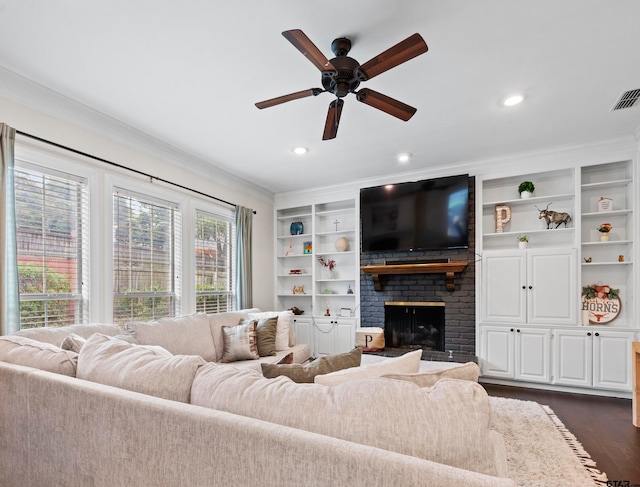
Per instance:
(601,311)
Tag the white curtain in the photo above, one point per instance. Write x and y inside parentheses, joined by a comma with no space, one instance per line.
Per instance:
(9,297)
(244,290)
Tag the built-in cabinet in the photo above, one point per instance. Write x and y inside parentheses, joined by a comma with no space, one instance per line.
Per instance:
(317,271)
(530,324)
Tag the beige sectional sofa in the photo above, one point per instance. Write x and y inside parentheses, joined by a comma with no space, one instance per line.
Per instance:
(140,414)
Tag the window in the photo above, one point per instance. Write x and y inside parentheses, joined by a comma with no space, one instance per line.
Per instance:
(146,257)
(52,240)
(213,262)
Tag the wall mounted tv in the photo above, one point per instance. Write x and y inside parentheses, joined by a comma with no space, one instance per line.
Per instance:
(418,215)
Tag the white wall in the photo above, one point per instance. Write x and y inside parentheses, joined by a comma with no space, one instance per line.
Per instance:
(128,147)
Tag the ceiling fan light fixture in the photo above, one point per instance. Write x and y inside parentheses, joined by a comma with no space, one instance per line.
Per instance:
(404,157)
(300,151)
(513,100)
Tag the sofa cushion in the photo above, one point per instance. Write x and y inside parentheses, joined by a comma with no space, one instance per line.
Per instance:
(469,371)
(149,370)
(285,323)
(240,342)
(321,365)
(20,350)
(73,342)
(407,363)
(266,336)
(56,334)
(184,335)
(448,423)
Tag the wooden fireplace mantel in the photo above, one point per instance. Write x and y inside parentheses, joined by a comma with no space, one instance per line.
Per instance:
(448,268)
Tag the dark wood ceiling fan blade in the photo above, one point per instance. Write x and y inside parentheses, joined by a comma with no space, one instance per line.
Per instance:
(291,96)
(303,44)
(402,52)
(333,119)
(386,104)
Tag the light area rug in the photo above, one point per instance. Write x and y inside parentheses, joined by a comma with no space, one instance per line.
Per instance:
(540,450)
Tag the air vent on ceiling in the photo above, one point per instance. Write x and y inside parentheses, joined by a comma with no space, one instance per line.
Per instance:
(627,100)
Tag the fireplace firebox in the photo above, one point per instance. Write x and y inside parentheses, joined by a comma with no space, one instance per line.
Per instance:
(414,325)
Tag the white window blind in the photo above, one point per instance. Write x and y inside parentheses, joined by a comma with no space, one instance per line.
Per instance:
(52,214)
(146,257)
(214,262)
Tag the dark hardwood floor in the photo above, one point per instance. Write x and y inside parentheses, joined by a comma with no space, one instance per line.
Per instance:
(602,424)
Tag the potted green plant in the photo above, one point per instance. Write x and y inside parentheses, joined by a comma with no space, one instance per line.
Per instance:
(525,189)
(523,240)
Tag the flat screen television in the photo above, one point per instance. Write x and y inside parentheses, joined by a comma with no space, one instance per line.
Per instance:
(418,215)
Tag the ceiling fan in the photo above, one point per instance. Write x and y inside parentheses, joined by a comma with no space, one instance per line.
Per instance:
(342,75)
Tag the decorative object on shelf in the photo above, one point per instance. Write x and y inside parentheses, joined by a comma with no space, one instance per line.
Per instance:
(327,291)
(525,189)
(298,289)
(605,204)
(307,248)
(296,228)
(349,290)
(290,250)
(523,240)
(336,223)
(503,216)
(342,244)
(584,317)
(604,230)
(345,312)
(602,302)
(587,260)
(621,258)
(328,263)
(296,311)
(551,217)
(327,311)
(297,272)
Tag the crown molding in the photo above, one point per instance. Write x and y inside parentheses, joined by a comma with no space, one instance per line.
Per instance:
(37,97)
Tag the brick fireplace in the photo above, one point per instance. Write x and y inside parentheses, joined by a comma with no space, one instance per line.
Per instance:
(459,304)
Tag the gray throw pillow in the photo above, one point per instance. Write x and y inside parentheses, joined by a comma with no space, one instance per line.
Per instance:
(306,373)
(240,342)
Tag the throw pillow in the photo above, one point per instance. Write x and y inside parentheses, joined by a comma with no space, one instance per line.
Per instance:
(55,334)
(407,363)
(285,323)
(240,342)
(448,423)
(322,365)
(147,369)
(73,342)
(20,350)
(265,336)
(183,335)
(287,359)
(469,371)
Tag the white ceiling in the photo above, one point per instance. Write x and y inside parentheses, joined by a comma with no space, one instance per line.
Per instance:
(188,73)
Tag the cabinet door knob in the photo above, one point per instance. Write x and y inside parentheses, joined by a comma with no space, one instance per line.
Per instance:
(518,330)
(530,287)
(589,334)
(597,334)
(511,329)
(524,287)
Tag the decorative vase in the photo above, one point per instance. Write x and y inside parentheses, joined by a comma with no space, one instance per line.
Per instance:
(522,245)
(604,237)
(296,228)
(525,194)
(342,244)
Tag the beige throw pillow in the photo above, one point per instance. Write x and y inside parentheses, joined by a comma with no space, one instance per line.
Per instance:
(469,371)
(407,363)
(21,350)
(448,423)
(73,342)
(322,365)
(149,370)
(240,342)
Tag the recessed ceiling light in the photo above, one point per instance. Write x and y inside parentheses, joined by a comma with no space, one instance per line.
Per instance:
(404,157)
(513,100)
(300,150)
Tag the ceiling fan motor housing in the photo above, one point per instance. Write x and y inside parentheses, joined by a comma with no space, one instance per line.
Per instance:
(342,81)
